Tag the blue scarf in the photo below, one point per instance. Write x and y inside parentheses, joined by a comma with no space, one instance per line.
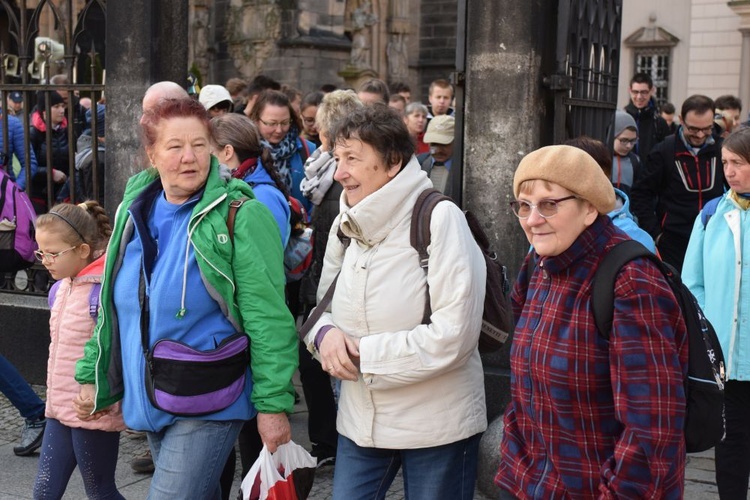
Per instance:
(282,154)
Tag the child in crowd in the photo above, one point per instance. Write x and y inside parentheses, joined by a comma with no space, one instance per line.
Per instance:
(72,240)
(625,162)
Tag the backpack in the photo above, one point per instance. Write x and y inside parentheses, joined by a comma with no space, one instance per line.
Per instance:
(709,209)
(93,298)
(17,227)
(497,318)
(298,252)
(704,385)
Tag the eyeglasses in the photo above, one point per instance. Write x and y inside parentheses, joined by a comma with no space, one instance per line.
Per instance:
(546,208)
(627,142)
(695,130)
(640,92)
(51,257)
(283,124)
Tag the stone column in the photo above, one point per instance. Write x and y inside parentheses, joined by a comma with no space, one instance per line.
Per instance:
(139,53)
(504,118)
(742,9)
(744,93)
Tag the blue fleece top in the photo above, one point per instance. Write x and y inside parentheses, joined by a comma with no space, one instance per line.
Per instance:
(624,220)
(158,247)
(267,193)
(297,165)
(16,147)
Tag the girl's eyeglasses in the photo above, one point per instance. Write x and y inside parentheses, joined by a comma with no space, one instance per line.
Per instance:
(51,257)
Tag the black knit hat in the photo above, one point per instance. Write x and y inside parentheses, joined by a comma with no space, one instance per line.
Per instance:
(54,98)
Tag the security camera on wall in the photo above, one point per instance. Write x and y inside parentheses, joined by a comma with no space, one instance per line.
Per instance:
(46,51)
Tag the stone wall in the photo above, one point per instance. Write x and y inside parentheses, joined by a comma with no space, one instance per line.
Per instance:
(437,42)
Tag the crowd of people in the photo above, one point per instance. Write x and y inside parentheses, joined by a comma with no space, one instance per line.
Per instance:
(261,207)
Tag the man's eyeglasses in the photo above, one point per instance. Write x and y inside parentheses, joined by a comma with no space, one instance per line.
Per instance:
(51,257)
(283,124)
(640,92)
(627,142)
(546,208)
(695,130)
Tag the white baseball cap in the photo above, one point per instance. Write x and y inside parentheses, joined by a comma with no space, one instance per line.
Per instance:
(211,95)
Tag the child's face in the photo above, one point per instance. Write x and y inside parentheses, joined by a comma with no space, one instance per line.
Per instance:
(62,259)
(625,142)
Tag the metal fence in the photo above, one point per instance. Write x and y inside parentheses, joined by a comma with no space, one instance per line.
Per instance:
(61,156)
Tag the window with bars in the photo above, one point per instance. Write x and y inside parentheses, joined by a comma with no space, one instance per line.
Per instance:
(655,62)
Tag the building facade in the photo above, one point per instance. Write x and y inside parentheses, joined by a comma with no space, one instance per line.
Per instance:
(688,46)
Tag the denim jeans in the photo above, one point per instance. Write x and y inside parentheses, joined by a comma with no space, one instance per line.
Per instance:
(19,392)
(440,472)
(189,456)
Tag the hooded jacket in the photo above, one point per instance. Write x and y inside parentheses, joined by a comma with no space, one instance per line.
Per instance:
(71,326)
(16,147)
(248,286)
(268,193)
(625,222)
(421,385)
(38,139)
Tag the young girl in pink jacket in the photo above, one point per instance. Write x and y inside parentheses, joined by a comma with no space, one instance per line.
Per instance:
(72,240)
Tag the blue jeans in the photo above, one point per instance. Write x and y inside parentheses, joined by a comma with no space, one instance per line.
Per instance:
(19,392)
(94,452)
(440,472)
(189,456)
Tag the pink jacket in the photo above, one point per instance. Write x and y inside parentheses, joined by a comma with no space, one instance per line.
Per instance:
(71,326)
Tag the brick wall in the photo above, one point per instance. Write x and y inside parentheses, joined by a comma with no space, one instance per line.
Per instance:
(437,42)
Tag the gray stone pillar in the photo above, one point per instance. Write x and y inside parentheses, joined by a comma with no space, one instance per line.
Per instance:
(147,42)
(744,93)
(504,118)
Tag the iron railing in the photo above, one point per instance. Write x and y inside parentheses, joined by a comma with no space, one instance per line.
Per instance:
(29,64)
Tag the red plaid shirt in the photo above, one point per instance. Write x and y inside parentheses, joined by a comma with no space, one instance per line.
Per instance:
(590,417)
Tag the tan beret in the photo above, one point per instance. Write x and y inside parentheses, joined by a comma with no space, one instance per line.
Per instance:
(571,168)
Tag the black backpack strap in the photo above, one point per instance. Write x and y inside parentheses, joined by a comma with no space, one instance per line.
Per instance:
(319,309)
(420,235)
(603,287)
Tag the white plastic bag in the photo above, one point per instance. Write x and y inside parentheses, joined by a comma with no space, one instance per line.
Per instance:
(287,474)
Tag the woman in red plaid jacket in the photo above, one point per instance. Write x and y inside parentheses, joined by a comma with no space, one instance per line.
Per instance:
(588,417)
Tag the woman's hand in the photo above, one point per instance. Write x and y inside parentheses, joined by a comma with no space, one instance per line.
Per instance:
(58,176)
(274,430)
(339,355)
(83,404)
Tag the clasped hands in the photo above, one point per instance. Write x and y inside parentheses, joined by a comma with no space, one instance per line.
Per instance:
(339,355)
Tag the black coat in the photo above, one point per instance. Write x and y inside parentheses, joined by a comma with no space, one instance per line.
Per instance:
(652,128)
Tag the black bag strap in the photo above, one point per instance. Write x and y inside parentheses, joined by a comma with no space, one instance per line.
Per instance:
(420,235)
(603,287)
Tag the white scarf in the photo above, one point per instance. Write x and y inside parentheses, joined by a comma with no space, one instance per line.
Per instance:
(319,170)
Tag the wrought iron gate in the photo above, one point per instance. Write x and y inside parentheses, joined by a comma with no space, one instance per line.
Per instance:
(587,68)
(68,61)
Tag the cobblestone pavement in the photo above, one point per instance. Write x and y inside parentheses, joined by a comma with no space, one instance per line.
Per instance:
(17,473)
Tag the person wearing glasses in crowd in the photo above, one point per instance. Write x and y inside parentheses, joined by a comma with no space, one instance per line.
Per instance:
(666,199)
(308,110)
(625,162)
(652,128)
(588,417)
(280,126)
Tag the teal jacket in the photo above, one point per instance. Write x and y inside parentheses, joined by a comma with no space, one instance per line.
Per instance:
(717,270)
(247,284)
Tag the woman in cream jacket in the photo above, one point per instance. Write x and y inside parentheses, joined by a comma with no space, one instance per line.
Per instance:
(412,394)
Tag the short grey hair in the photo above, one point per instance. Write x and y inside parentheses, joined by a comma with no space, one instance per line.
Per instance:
(415,107)
(336,105)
